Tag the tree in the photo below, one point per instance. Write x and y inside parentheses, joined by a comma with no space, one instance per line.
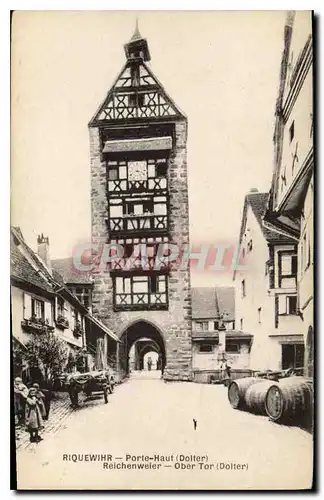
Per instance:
(70,363)
(17,359)
(48,353)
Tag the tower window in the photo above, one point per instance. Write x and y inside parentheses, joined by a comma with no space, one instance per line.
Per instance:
(128,250)
(112,174)
(161,169)
(136,100)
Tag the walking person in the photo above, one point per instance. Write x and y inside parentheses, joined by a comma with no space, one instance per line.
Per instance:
(33,418)
(149,364)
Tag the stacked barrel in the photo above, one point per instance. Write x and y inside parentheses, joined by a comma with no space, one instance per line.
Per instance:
(237,390)
(288,401)
(291,401)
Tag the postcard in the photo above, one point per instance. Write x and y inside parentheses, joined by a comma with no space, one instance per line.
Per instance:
(162,250)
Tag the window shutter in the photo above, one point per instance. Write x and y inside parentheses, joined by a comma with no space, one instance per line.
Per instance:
(48,312)
(27,306)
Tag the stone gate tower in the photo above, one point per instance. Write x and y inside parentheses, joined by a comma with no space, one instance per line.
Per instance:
(139,195)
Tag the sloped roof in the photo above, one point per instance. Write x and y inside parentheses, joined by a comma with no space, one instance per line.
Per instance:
(116,105)
(204,303)
(226,302)
(21,269)
(229,334)
(69,273)
(212,302)
(258,203)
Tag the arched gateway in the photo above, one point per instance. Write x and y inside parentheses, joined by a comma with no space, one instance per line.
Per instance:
(152,341)
(139,198)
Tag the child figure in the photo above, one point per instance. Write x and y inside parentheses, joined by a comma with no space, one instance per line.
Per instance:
(34,421)
(40,399)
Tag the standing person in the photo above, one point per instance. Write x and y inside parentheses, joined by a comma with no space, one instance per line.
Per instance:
(223,365)
(20,396)
(149,364)
(40,399)
(34,421)
(73,392)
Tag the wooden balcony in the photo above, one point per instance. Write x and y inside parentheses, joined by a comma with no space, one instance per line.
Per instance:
(137,186)
(138,224)
(36,326)
(140,301)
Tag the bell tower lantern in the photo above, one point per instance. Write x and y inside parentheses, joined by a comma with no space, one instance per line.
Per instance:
(137,47)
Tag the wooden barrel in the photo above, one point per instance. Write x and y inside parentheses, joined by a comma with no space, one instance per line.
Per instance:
(291,400)
(255,396)
(237,389)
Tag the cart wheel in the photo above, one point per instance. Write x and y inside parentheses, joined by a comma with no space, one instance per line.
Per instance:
(106,396)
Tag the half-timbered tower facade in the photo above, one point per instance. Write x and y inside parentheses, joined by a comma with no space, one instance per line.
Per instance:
(139,200)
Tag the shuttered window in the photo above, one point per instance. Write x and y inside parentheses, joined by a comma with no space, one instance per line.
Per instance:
(48,312)
(27,306)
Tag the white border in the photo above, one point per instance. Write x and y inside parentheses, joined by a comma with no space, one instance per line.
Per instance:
(5,7)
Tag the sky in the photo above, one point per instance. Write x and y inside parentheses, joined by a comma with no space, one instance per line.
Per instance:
(222,70)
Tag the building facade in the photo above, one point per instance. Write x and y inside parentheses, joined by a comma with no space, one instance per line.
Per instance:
(214,337)
(291,203)
(41,304)
(139,198)
(266,291)
(79,283)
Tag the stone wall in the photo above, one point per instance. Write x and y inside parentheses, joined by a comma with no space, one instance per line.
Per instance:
(175,323)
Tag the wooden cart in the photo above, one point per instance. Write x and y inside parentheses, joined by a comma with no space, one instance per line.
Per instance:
(89,383)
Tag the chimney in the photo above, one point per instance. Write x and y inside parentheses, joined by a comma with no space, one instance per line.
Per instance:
(43,250)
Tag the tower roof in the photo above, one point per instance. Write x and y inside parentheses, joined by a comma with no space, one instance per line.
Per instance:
(136,35)
(136,93)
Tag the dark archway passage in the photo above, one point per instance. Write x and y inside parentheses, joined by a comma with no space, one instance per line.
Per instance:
(141,330)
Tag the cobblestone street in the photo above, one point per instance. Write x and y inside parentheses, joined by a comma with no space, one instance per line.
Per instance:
(60,409)
(147,416)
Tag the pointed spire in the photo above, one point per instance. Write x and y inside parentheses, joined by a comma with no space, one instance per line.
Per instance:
(136,36)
